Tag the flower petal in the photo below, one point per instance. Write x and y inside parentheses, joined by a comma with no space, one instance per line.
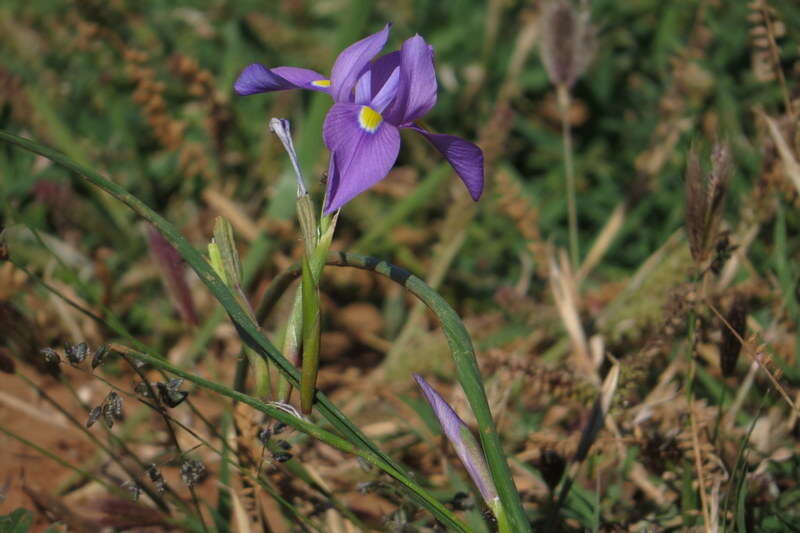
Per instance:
(351,63)
(462,439)
(382,68)
(417,93)
(465,157)
(362,151)
(364,89)
(387,93)
(257,78)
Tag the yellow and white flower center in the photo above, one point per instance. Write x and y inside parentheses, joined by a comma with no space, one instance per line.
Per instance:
(369,119)
(321,83)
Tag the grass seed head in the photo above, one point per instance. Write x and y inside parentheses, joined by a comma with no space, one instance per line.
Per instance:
(76,353)
(111,409)
(100,355)
(568,42)
(94,415)
(705,194)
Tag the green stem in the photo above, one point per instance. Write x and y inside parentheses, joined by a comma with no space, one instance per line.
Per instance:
(569,167)
(311,337)
(249,333)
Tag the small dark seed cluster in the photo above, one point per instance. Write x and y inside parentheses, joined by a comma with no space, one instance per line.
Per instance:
(192,472)
(76,354)
(110,410)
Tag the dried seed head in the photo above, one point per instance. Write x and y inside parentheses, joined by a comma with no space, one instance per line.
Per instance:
(735,329)
(568,41)
(100,355)
(156,478)
(169,393)
(112,409)
(50,356)
(192,472)
(94,414)
(705,193)
(141,388)
(721,170)
(76,353)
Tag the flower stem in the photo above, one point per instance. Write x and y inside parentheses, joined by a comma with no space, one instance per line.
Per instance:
(569,167)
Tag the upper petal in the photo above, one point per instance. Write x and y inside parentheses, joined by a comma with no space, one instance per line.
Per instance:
(382,68)
(465,157)
(360,157)
(417,92)
(257,78)
(351,63)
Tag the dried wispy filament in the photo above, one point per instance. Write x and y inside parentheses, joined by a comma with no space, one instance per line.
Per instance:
(568,41)
(705,192)
(733,331)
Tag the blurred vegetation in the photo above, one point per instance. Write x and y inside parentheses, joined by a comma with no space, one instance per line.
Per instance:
(142,91)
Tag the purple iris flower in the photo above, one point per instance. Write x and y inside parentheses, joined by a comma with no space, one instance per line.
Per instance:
(372,101)
(462,439)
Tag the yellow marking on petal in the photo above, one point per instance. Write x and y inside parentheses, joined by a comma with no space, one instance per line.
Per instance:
(369,119)
(321,83)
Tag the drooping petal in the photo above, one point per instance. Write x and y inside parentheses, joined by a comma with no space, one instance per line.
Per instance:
(462,439)
(417,92)
(257,78)
(363,149)
(304,78)
(465,157)
(351,64)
